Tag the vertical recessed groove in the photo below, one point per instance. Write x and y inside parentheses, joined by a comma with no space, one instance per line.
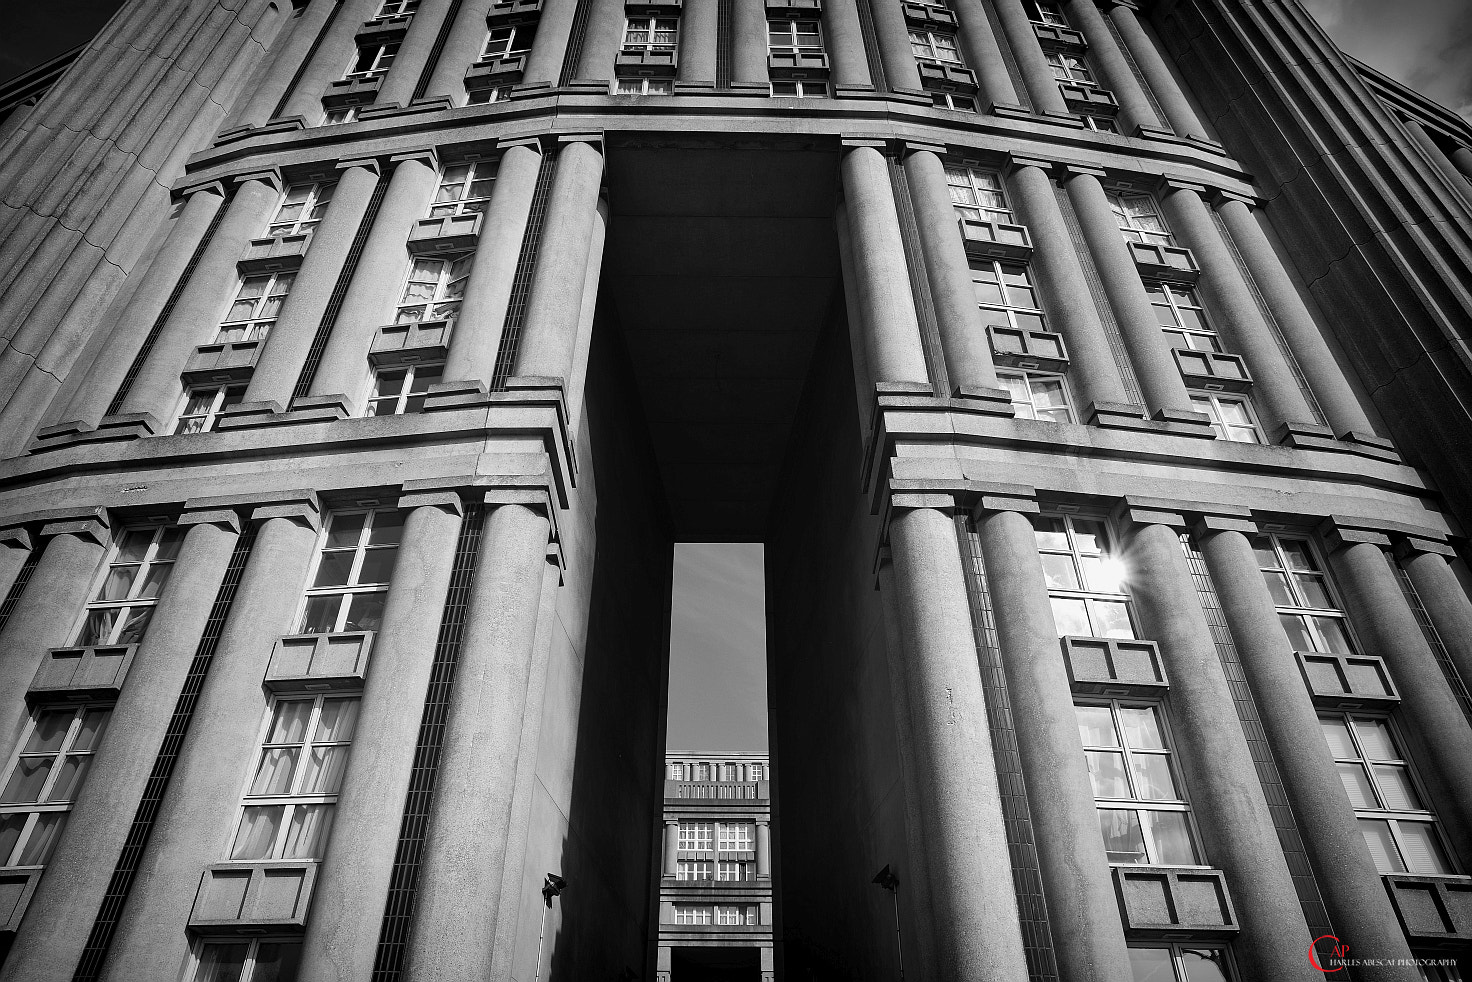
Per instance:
(919,283)
(521,283)
(575,39)
(871,45)
(22,579)
(301,69)
(1454,679)
(725,42)
(1129,59)
(1008,58)
(446,25)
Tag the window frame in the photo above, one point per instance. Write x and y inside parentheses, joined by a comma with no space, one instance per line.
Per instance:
(401,8)
(774,24)
(734,915)
(1124,220)
(1090,597)
(348,114)
(42,805)
(517,40)
(1026,376)
(443,293)
(413,390)
(387,51)
(736,837)
(1046,12)
(313,207)
(1178,962)
(352,588)
(648,85)
(132,601)
(1177,297)
(693,870)
(1101,124)
(691,914)
(651,25)
(227,396)
(1301,609)
(1071,68)
(463,199)
(973,182)
(802,88)
(924,46)
(1034,318)
(489,96)
(256,327)
(698,832)
(1213,401)
(949,100)
(253,947)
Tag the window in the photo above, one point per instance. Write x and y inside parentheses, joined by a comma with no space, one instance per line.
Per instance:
(736,872)
(688,869)
(401,390)
(1231,416)
(953,100)
(643,85)
(977,194)
(434,289)
(696,836)
(256,307)
(347,114)
(1037,395)
(726,914)
(737,838)
(44,778)
(800,89)
(1398,827)
(1085,581)
(1069,68)
(464,189)
(756,772)
(793,37)
(508,42)
(691,914)
(373,58)
(1142,813)
(1100,124)
(396,8)
(130,586)
(203,405)
(702,772)
(288,807)
(677,772)
(1180,315)
(651,33)
(482,97)
(1138,218)
(302,207)
(1044,12)
(1006,295)
(729,772)
(928,46)
(354,566)
(1307,606)
(255,960)
(1179,963)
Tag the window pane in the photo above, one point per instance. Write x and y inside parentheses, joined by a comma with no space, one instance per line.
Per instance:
(1172,837)
(1267,557)
(1298,637)
(1357,785)
(118,584)
(134,621)
(1095,726)
(1070,617)
(1123,841)
(345,531)
(1278,587)
(307,837)
(1088,536)
(1332,633)
(1152,778)
(320,616)
(257,833)
(1205,964)
(290,724)
(1059,572)
(334,569)
(26,780)
(273,774)
(1336,734)
(365,612)
(1141,728)
(1314,591)
(220,962)
(324,770)
(1111,619)
(50,731)
(1394,782)
(69,777)
(1375,738)
(1152,965)
(11,826)
(388,526)
(153,581)
(1382,846)
(1298,555)
(277,961)
(1050,533)
(1106,773)
(378,565)
(43,839)
(337,721)
(1424,854)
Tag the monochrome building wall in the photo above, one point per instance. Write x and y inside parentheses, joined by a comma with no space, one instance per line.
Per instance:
(1094,373)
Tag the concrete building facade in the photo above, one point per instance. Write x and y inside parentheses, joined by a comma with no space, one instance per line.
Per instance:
(1095,374)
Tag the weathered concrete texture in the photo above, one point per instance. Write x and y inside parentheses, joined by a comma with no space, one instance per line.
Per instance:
(1037,77)
(335,51)
(1446,603)
(413,55)
(462,48)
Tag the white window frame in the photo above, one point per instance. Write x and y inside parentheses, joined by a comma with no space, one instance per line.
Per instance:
(360,550)
(644,84)
(508,41)
(396,8)
(651,27)
(756,771)
(1211,404)
(1128,223)
(677,772)
(1068,67)
(932,47)
(1174,297)
(687,870)
(1298,607)
(955,101)
(975,194)
(413,388)
(694,914)
(737,837)
(1046,12)
(1033,318)
(1025,379)
(314,199)
(735,871)
(340,115)
(457,192)
(734,915)
(448,289)
(226,395)
(248,970)
(1083,560)
(797,42)
(487,96)
(262,317)
(34,810)
(160,537)
(696,837)
(799,88)
(383,59)
(1178,951)
(1100,124)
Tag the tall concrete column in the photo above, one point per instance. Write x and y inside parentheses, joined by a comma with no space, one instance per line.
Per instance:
(286,347)
(1113,67)
(1446,603)
(414,53)
(1037,77)
(462,47)
(330,62)
(352,885)
(1438,157)
(69,895)
(1173,102)
(15,548)
(976,930)
(963,337)
(193,825)
(554,303)
(554,29)
(671,846)
(46,613)
(378,280)
(284,63)
(763,850)
(983,54)
(1066,294)
(1349,884)
(892,332)
(895,53)
(1462,161)
(464,857)
(844,37)
(749,41)
(1226,795)
(698,28)
(1387,627)
(1235,310)
(601,41)
(196,316)
(1326,378)
(1160,378)
(1083,914)
(587,314)
(477,335)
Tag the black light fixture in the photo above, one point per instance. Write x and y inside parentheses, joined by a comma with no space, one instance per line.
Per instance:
(553,886)
(887,879)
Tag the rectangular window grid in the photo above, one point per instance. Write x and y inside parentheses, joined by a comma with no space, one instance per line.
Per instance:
(732,915)
(954,100)
(977,194)
(354,565)
(508,42)
(373,59)
(1139,218)
(736,872)
(334,117)
(794,37)
(696,837)
(1231,416)
(130,585)
(464,188)
(434,289)
(934,48)
(693,914)
(1307,602)
(1069,68)
(693,869)
(43,780)
(800,89)
(1037,395)
(396,8)
(1045,12)
(403,389)
(737,838)
(252,960)
(302,208)
(484,97)
(256,307)
(1085,581)
(651,33)
(1181,316)
(1180,963)
(203,404)
(643,85)
(1006,295)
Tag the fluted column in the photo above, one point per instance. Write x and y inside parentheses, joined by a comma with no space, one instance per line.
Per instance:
(1227,796)
(891,330)
(963,338)
(749,43)
(192,829)
(1327,379)
(69,895)
(413,56)
(1173,101)
(1446,603)
(377,280)
(348,901)
(1083,914)
(1236,312)
(330,62)
(1160,378)
(763,850)
(601,42)
(45,613)
(1037,77)
(462,48)
(1066,294)
(195,318)
(893,35)
(1387,627)
(1348,882)
(284,63)
(15,548)
(1113,67)
(671,846)
(464,856)
(285,349)
(554,29)
(698,28)
(844,38)
(554,303)
(983,54)
(976,928)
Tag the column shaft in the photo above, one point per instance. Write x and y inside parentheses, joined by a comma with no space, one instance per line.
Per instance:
(749,40)
(763,850)
(1438,157)
(1113,67)
(893,35)
(1227,796)
(976,929)
(342,935)
(414,51)
(698,28)
(984,54)
(1462,161)
(845,40)
(1083,914)
(284,63)
(331,61)
(1351,888)
(1446,604)
(195,318)
(1235,310)
(291,337)
(587,314)
(963,337)
(193,826)
(671,847)
(376,283)
(462,48)
(461,877)
(1173,101)
(69,895)
(892,332)
(604,35)
(554,28)
(549,334)
(1326,378)
(1037,77)
(1159,377)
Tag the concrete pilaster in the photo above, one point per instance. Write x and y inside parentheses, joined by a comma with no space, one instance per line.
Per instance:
(1083,914)
(891,331)
(196,316)
(698,30)
(763,850)
(1445,601)
(844,38)
(1173,102)
(554,304)
(15,548)
(1113,68)
(352,887)
(464,857)
(332,59)
(69,895)
(414,51)
(462,47)
(671,846)
(1037,77)
(893,35)
(377,281)
(749,40)
(1226,795)
(603,37)
(1350,886)
(583,343)
(193,826)
(976,930)
(284,63)
(554,28)
(983,53)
